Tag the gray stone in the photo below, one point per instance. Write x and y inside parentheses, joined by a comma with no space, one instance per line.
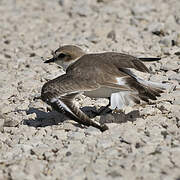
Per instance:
(75,135)
(25,148)
(177,100)
(175,76)
(170,73)
(1,123)
(170,23)
(149,111)
(112,35)
(105,143)
(165,50)
(166,97)
(141,9)
(158,78)
(69,126)
(156,28)
(6,108)
(93,38)
(92,131)
(166,41)
(10,122)
(81,9)
(170,66)
(164,106)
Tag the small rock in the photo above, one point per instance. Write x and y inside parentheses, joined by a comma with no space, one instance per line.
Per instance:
(166,41)
(139,9)
(105,143)
(39,150)
(177,53)
(10,122)
(92,131)
(158,78)
(165,50)
(164,106)
(157,29)
(170,73)
(49,156)
(116,117)
(164,133)
(170,22)
(68,153)
(82,10)
(178,40)
(1,123)
(149,111)
(170,66)
(166,97)
(112,35)
(5,108)
(25,148)
(175,76)
(155,67)
(178,123)
(93,38)
(75,135)
(103,1)
(61,2)
(163,122)
(7,55)
(177,100)
(7,41)
(31,55)
(69,126)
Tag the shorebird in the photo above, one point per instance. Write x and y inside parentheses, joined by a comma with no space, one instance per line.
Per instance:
(99,75)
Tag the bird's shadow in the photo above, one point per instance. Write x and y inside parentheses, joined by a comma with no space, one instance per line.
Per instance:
(109,116)
(44,119)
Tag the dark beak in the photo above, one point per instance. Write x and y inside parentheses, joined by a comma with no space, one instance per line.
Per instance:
(49,60)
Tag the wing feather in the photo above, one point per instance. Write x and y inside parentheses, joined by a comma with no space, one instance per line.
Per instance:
(61,99)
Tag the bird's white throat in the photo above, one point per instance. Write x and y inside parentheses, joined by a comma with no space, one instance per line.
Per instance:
(65,64)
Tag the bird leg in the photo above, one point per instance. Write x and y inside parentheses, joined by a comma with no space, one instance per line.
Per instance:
(105,109)
(70,109)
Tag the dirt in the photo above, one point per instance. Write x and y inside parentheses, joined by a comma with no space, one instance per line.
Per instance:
(36,143)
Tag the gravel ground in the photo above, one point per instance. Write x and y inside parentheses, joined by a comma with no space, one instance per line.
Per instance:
(143,143)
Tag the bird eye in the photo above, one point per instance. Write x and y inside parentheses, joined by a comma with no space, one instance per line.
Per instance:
(61,55)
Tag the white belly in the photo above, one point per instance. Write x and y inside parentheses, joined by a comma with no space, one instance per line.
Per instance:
(100,93)
(119,98)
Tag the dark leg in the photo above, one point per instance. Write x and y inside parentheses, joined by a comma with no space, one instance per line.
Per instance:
(105,109)
(78,116)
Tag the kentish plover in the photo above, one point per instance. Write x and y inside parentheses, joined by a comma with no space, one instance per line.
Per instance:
(100,75)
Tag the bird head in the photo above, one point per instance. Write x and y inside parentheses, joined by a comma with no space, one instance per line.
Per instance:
(66,55)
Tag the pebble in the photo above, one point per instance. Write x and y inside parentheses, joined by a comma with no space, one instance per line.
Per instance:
(92,131)
(166,41)
(170,66)
(159,78)
(177,100)
(10,122)
(1,123)
(6,108)
(149,111)
(112,35)
(175,76)
(75,135)
(69,127)
(156,28)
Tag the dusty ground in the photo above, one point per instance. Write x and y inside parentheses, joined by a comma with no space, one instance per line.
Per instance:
(36,144)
